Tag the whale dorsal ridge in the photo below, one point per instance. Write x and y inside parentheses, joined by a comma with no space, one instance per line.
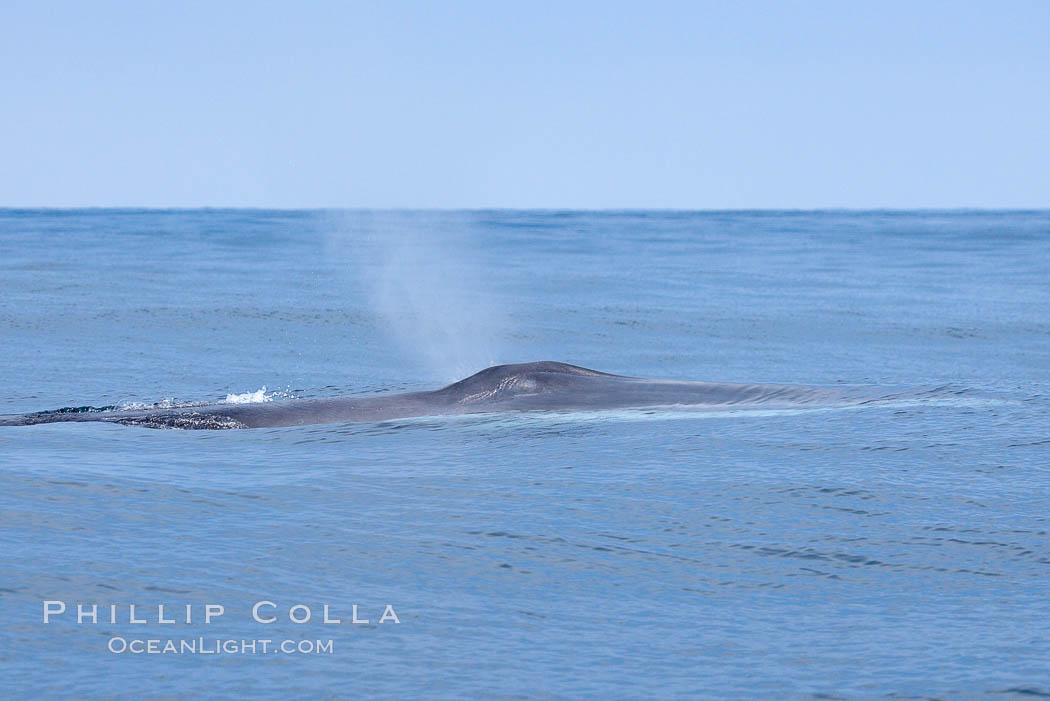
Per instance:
(515,378)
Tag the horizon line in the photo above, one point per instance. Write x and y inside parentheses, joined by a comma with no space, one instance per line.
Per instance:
(341,208)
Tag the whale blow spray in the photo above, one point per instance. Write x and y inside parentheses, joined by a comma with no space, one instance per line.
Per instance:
(435,297)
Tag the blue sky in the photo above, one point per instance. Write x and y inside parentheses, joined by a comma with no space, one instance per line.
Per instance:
(561,104)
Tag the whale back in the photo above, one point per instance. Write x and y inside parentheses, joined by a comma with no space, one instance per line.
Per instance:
(539,386)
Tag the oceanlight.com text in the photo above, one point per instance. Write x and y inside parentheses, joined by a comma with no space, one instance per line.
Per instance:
(217,646)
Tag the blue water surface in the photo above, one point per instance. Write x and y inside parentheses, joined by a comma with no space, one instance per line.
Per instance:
(891,551)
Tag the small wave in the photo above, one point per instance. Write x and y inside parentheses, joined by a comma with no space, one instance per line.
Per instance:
(162,404)
(256,397)
(79,409)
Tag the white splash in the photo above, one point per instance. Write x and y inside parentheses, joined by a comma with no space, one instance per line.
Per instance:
(255,397)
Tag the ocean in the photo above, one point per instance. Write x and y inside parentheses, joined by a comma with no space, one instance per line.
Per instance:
(894,550)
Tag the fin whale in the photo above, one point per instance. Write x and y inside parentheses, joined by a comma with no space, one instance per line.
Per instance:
(539,386)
